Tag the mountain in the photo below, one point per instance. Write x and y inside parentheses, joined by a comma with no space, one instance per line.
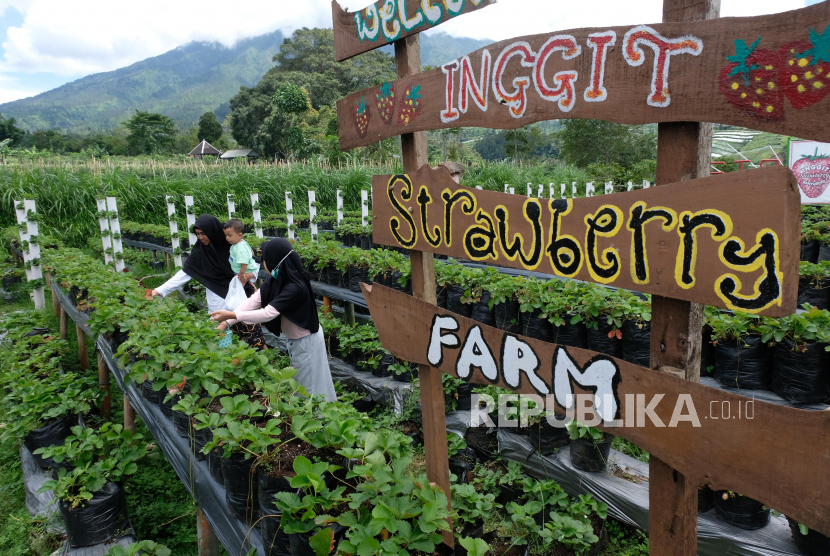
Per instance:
(183,84)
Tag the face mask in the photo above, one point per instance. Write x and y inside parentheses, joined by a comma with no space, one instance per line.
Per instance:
(276,271)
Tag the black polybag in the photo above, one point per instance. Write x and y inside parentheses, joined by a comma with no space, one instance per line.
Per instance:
(481,311)
(200,439)
(535,327)
(507,316)
(300,541)
(801,376)
(274,539)
(149,394)
(571,335)
(441,297)
(356,276)
(214,459)
(811,544)
(588,455)
(465,396)
(814,292)
(547,439)
(181,422)
(823,253)
(741,511)
(97,520)
(241,491)
(707,352)
(636,343)
(809,251)
(51,434)
(454,304)
(743,363)
(598,339)
(167,406)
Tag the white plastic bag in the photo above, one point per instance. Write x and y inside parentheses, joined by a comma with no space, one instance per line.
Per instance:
(236,295)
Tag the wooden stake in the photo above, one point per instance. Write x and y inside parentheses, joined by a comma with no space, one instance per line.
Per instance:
(167,261)
(208,542)
(129,415)
(56,303)
(64,324)
(104,384)
(326,305)
(348,309)
(414,152)
(684,150)
(82,355)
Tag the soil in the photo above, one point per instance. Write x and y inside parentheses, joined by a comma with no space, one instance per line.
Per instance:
(618,472)
(410,427)
(283,465)
(501,547)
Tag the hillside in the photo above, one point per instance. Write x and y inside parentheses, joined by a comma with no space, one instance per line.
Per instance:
(182,84)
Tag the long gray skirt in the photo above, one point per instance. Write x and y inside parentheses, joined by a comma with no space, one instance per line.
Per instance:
(308,355)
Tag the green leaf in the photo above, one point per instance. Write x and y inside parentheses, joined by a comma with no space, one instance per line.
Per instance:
(475,547)
(322,542)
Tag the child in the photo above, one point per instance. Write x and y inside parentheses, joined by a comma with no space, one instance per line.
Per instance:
(241,257)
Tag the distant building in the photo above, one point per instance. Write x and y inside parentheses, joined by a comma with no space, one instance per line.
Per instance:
(204,148)
(249,154)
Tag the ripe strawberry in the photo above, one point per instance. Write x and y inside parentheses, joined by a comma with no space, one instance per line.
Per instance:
(386,102)
(812,173)
(361,117)
(411,105)
(805,73)
(750,82)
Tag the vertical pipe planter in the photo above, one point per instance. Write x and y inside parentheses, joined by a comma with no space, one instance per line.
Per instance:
(174,231)
(609,187)
(115,229)
(289,214)
(339,206)
(231,206)
(27,218)
(312,214)
(104,223)
(191,218)
(364,207)
(257,214)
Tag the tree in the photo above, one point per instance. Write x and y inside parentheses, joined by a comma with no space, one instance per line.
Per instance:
(306,61)
(150,133)
(9,131)
(520,143)
(210,129)
(584,142)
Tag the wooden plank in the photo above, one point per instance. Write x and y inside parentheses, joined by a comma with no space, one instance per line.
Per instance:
(104,384)
(414,155)
(208,542)
(579,73)
(56,303)
(376,26)
(129,415)
(64,324)
(520,232)
(772,453)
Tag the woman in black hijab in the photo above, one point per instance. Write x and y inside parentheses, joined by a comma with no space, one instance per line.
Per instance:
(209,264)
(285,304)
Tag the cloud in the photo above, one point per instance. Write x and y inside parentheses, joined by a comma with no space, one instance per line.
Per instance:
(73,39)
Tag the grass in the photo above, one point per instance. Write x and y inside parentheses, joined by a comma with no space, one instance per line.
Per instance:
(66,194)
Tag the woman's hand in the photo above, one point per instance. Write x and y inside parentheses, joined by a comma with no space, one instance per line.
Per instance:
(155,293)
(223,326)
(222,316)
(249,275)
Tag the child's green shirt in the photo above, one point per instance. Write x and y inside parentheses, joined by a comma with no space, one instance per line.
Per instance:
(241,254)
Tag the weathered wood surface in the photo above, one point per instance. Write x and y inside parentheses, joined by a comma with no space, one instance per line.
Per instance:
(779,456)
(703,241)
(386,21)
(704,71)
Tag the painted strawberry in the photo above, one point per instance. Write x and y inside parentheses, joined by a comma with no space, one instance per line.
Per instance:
(411,105)
(361,117)
(805,73)
(386,102)
(750,81)
(812,171)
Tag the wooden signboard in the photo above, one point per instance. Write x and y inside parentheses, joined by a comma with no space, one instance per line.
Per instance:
(386,21)
(770,73)
(683,427)
(731,241)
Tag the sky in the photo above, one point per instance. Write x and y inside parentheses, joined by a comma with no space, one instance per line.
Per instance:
(46,43)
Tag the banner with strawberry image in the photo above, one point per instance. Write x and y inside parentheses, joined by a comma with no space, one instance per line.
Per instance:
(757,80)
(810,162)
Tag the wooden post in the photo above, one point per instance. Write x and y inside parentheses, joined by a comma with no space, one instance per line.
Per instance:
(104,384)
(684,150)
(327,305)
(82,355)
(129,415)
(56,303)
(208,542)
(64,324)
(167,261)
(414,151)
